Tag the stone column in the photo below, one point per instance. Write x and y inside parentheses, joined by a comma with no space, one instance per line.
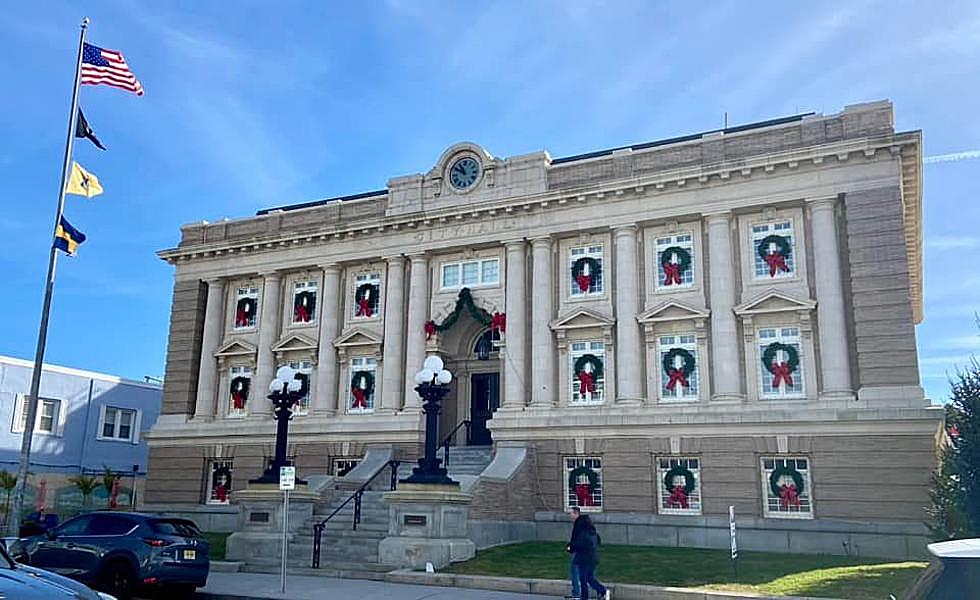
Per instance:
(831,316)
(325,399)
(724,333)
(629,349)
(542,340)
(418,313)
(269,326)
(393,358)
(214,321)
(515,372)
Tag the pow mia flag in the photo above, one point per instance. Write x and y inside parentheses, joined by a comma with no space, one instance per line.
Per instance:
(82,130)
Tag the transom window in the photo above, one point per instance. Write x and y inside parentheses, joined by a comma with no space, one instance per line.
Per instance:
(586,270)
(343,466)
(304,302)
(781,362)
(679,367)
(240,390)
(304,368)
(246,307)
(117,423)
(367,296)
(45,419)
(679,485)
(675,261)
(362,385)
(583,483)
(786,487)
(471,273)
(219,482)
(774,250)
(588,383)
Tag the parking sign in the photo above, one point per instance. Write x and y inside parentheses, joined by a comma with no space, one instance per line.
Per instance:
(287,478)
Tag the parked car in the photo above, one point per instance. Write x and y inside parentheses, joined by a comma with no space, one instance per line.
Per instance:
(120,552)
(22,582)
(954,573)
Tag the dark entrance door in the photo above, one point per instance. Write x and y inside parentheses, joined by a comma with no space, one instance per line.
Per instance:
(484,400)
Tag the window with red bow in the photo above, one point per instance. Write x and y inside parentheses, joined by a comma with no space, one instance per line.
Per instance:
(361,384)
(367,296)
(588,372)
(219,482)
(675,262)
(239,386)
(583,483)
(781,362)
(774,250)
(304,302)
(679,485)
(246,307)
(679,368)
(787,487)
(586,271)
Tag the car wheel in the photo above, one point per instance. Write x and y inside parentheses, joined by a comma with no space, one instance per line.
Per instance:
(117,579)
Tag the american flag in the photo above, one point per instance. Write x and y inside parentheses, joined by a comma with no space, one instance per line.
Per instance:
(109,67)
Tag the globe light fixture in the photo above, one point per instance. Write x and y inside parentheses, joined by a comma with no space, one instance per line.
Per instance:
(432,384)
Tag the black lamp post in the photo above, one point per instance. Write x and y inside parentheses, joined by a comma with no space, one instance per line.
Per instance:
(433,383)
(285,391)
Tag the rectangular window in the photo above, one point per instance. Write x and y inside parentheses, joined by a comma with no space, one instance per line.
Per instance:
(679,485)
(787,487)
(675,262)
(246,307)
(781,366)
(219,482)
(367,296)
(586,272)
(117,424)
(343,466)
(679,367)
(583,483)
(240,388)
(471,273)
(362,385)
(304,302)
(773,250)
(304,368)
(588,371)
(45,420)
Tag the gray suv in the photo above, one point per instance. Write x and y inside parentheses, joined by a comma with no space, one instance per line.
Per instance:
(119,552)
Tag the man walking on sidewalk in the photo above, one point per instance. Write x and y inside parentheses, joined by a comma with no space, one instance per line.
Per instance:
(584,548)
(573,570)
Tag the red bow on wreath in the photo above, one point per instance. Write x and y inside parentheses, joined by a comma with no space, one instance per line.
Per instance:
(364,307)
(584,281)
(776,262)
(241,318)
(360,398)
(781,374)
(672,273)
(430,329)
(498,322)
(302,314)
(586,383)
(678,498)
(238,399)
(676,376)
(220,493)
(583,493)
(788,495)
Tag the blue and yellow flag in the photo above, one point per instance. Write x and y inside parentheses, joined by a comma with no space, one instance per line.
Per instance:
(82,182)
(67,238)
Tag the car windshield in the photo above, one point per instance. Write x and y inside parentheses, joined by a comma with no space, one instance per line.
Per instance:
(176,527)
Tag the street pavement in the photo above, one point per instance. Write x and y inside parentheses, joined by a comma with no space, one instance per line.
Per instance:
(300,587)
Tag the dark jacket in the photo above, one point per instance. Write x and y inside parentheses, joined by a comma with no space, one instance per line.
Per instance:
(585,542)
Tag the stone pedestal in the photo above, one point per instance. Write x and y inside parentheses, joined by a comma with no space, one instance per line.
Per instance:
(258,540)
(426,523)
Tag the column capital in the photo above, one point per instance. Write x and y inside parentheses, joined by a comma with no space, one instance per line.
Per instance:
(272,274)
(541,241)
(417,257)
(394,259)
(712,218)
(821,203)
(330,267)
(514,244)
(213,281)
(625,230)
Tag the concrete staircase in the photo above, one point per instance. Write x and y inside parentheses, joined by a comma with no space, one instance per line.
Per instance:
(467,460)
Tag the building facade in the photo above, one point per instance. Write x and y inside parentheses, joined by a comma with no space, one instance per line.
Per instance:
(86,422)
(668,329)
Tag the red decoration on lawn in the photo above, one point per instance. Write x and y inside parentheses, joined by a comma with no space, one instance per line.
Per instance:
(586,383)
(776,262)
(672,273)
(360,397)
(676,376)
(114,496)
(678,498)
(498,322)
(788,495)
(430,329)
(583,493)
(781,374)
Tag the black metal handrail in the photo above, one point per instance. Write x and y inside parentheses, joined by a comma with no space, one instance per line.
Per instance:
(356,497)
(451,439)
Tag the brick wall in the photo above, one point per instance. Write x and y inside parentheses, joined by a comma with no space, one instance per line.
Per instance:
(514,500)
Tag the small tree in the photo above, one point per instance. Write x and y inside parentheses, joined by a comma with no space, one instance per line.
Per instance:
(955,492)
(8,482)
(109,479)
(86,485)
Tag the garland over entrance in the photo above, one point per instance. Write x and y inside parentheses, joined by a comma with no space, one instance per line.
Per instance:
(782,372)
(497,321)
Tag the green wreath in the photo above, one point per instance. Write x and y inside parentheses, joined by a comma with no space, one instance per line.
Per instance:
(769,356)
(780,472)
(578,471)
(781,243)
(689,481)
(668,361)
(589,358)
(683,257)
(465,300)
(373,294)
(368,381)
(595,267)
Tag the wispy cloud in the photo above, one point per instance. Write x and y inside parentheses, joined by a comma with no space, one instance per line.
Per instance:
(953,242)
(953,157)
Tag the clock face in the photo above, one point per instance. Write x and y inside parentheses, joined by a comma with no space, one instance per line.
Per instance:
(464,173)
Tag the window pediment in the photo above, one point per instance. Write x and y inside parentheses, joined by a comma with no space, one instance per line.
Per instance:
(357,337)
(235,348)
(771,301)
(294,342)
(582,318)
(672,310)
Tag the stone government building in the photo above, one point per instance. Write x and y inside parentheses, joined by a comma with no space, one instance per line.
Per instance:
(653,333)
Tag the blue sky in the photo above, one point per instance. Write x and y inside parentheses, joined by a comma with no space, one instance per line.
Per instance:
(247,108)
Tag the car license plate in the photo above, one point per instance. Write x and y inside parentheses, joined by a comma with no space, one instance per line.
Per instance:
(190,554)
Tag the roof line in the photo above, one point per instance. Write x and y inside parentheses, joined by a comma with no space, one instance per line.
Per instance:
(313,203)
(20,362)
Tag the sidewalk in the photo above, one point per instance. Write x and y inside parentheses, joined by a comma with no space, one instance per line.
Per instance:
(259,586)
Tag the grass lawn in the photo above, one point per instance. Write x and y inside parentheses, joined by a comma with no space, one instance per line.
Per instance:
(760,572)
(217,544)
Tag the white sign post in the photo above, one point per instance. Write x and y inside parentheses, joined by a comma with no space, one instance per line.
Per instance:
(731,528)
(287,481)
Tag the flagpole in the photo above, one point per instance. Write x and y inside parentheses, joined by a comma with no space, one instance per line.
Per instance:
(42,334)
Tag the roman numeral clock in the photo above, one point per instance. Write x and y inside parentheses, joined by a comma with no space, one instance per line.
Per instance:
(464,173)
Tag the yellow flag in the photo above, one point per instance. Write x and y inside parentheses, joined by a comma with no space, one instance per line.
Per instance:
(82,182)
